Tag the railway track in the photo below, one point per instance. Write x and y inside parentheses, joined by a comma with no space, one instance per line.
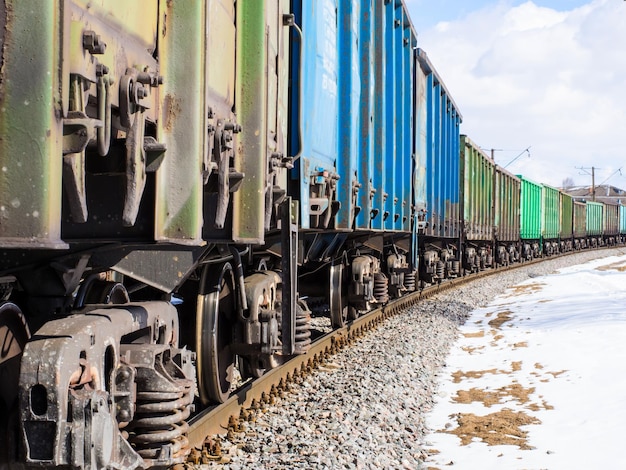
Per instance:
(254,395)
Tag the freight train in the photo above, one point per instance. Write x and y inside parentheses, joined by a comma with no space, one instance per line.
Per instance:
(184,183)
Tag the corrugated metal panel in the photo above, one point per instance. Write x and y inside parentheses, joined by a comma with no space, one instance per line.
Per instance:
(507,202)
(477,172)
(610,224)
(595,219)
(179,187)
(550,212)
(319,66)
(530,210)
(567,216)
(349,16)
(366,114)
(31,159)
(580,219)
(442,154)
(622,219)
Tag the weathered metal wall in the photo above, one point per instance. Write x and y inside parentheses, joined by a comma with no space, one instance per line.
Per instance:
(550,212)
(530,210)
(567,216)
(595,218)
(478,191)
(507,201)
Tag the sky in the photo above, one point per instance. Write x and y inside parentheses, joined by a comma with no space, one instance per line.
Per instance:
(544,75)
(548,352)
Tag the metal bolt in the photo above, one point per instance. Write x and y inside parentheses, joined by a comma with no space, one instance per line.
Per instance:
(93,43)
(101,70)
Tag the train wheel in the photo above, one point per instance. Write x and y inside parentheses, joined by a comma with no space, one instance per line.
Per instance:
(214,332)
(339,309)
(14,334)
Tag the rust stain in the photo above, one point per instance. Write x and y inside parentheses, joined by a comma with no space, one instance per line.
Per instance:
(171,109)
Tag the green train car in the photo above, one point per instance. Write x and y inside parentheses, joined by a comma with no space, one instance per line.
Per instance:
(567,222)
(478,199)
(550,219)
(506,223)
(594,223)
(530,218)
(610,224)
(579,224)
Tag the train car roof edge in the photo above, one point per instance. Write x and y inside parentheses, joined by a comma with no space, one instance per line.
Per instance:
(428,66)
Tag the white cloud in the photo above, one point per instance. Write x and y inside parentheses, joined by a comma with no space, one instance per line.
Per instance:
(530,75)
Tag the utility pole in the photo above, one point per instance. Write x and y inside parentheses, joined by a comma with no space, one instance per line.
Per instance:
(593,179)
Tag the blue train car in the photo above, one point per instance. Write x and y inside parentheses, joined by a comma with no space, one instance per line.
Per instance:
(352,141)
(437,154)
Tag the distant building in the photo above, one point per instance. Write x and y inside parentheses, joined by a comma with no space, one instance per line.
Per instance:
(604,193)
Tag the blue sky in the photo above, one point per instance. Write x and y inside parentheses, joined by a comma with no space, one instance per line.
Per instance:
(546,74)
(426,14)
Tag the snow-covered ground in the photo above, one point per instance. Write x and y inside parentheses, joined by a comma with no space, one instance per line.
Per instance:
(538,378)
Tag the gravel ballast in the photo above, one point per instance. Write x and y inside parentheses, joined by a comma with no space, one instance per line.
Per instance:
(367,407)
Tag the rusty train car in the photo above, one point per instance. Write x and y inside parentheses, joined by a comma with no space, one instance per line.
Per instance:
(184,183)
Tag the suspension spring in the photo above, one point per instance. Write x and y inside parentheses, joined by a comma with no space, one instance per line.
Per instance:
(441,269)
(456,267)
(303,328)
(381,288)
(409,280)
(164,402)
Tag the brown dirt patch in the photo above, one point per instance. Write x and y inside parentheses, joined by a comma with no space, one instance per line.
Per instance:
(526,289)
(472,374)
(522,344)
(478,334)
(500,428)
(500,319)
(493,397)
(471,350)
(619,266)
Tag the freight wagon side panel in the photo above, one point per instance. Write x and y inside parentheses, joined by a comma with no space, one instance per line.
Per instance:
(349,94)
(442,155)
(567,216)
(530,210)
(580,219)
(477,172)
(30,91)
(610,224)
(365,171)
(261,158)
(550,211)
(595,211)
(507,203)
(622,219)
(314,113)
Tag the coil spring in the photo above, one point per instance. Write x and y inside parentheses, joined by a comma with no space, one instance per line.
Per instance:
(303,328)
(409,280)
(160,421)
(489,261)
(381,288)
(456,267)
(441,269)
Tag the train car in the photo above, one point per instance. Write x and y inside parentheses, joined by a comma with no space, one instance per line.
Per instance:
(154,247)
(610,224)
(579,225)
(567,222)
(506,217)
(477,206)
(438,162)
(530,218)
(595,223)
(353,173)
(622,223)
(550,219)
